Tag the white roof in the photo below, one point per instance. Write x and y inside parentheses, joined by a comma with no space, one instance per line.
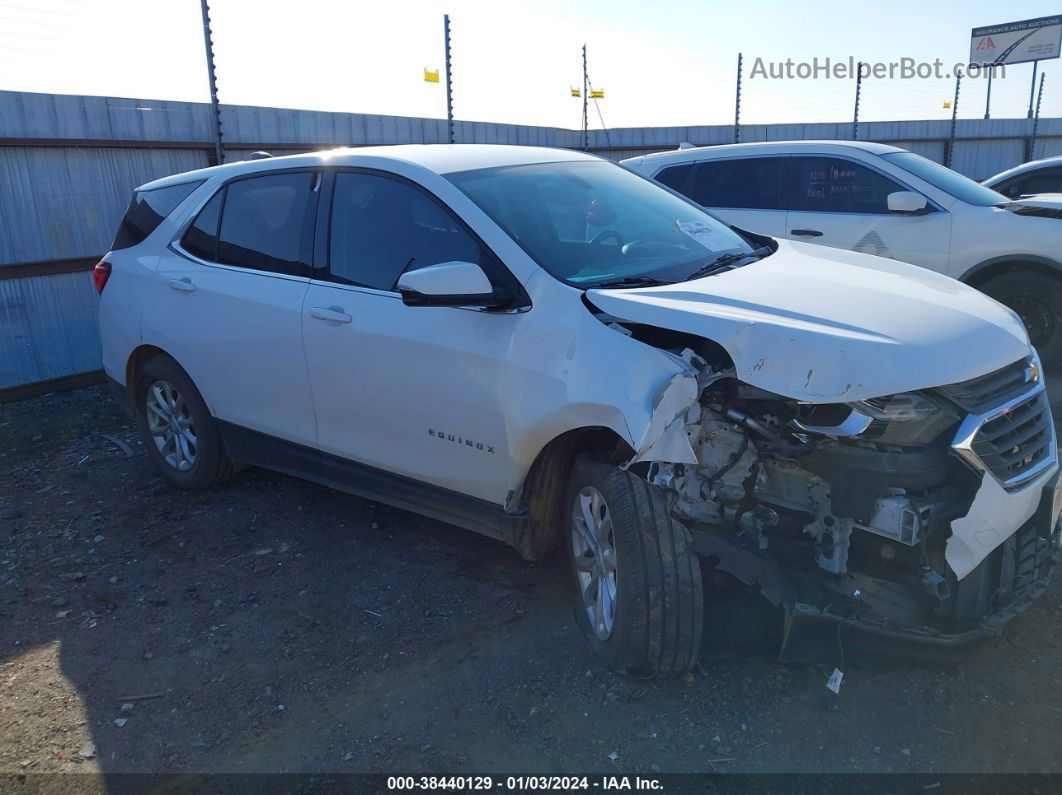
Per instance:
(1032,165)
(439,158)
(765,148)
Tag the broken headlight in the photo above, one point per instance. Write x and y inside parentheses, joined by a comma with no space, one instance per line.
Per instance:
(906,419)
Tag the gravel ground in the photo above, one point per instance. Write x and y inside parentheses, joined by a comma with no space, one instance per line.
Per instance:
(272,625)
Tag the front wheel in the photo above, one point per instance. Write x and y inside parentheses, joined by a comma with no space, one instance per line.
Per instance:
(1037,299)
(639,599)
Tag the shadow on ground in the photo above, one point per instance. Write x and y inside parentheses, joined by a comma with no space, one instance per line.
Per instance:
(272,625)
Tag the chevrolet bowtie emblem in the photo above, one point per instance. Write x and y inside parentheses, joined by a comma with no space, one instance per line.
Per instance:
(1032,372)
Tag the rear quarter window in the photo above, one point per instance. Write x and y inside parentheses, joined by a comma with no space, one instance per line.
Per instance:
(148,209)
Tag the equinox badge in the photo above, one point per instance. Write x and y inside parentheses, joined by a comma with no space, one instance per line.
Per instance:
(449,437)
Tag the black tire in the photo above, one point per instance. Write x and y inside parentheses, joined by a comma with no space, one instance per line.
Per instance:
(1037,298)
(659,603)
(211,464)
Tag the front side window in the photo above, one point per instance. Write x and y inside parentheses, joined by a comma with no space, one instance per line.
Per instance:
(833,185)
(748,183)
(383,227)
(589,222)
(263,222)
(147,210)
(1048,180)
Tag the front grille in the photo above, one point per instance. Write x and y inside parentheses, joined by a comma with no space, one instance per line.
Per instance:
(1009,431)
(988,391)
(1015,442)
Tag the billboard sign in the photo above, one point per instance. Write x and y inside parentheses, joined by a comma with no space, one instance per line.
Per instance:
(1017,42)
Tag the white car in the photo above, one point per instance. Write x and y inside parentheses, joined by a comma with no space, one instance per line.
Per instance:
(889,202)
(544,347)
(1029,179)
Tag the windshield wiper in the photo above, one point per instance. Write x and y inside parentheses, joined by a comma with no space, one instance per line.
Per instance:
(726,261)
(630,281)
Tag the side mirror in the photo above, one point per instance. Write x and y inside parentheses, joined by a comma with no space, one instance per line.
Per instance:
(907,201)
(451,284)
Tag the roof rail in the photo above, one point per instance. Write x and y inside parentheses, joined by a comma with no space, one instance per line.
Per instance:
(260,155)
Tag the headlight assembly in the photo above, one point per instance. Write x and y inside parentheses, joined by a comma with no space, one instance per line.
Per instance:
(908,418)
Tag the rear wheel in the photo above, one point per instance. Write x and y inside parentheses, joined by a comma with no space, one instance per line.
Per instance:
(180,436)
(638,598)
(1037,298)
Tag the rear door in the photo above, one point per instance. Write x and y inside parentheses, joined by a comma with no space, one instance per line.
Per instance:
(228,303)
(744,192)
(835,201)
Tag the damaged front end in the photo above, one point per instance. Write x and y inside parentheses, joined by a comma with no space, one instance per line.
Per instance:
(929,516)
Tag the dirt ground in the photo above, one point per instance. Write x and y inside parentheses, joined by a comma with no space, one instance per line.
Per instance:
(273,625)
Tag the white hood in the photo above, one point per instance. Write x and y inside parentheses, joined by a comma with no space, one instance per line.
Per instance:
(827,325)
(1047,203)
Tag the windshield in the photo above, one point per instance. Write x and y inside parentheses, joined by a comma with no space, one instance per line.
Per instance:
(962,188)
(592,222)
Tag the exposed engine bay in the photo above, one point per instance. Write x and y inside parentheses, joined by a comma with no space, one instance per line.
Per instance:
(844,511)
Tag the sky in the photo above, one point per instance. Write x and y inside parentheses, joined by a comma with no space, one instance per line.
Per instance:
(661,63)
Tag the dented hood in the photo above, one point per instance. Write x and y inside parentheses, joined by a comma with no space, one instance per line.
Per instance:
(828,325)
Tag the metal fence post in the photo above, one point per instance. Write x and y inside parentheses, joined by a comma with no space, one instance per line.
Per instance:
(219,156)
(586,99)
(737,105)
(954,114)
(449,85)
(1032,89)
(1036,119)
(859,90)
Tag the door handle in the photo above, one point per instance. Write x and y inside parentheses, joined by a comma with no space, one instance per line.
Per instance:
(334,314)
(183,285)
(806,232)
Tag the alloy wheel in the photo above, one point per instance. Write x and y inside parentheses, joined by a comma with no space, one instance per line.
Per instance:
(169,421)
(594,554)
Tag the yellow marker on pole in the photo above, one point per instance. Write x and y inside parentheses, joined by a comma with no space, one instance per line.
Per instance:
(431,75)
(576,92)
(597,93)
(947,104)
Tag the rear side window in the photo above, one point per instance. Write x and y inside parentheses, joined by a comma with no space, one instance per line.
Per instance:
(147,210)
(263,222)
(674,176)
(257,223)
(833,185)
(382,227)
(748,183)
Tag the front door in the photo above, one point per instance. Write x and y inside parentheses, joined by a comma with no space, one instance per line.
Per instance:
(414,391)
(837,202)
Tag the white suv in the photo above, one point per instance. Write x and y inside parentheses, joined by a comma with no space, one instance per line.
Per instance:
(890,202)
(1028,179)
(546,348)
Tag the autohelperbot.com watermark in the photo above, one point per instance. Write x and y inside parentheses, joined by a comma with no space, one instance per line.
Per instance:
(847,68)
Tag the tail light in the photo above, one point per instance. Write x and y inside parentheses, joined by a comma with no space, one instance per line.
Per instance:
(100,274)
